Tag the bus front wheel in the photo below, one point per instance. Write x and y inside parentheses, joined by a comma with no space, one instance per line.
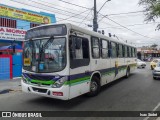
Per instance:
(94,86)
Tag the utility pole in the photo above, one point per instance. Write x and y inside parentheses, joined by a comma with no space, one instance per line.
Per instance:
(95,24)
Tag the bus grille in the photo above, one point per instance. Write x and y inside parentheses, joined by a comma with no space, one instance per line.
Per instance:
(40,77)
(39,90)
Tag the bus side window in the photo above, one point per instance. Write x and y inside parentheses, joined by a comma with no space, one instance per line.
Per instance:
(123,50)
(126,52)
(113,50)
(95,47)
(79,54)
(130,51)
(120,50)
(104,49)
(133,52)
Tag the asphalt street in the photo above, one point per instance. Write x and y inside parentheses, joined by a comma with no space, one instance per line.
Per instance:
(139,92)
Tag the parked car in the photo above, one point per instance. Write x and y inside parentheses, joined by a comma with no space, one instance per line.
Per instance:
(156,71)
(153,63)
(140,64)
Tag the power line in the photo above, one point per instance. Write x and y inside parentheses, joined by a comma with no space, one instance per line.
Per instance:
(56,8)
(118,27)
(125,13)
(116,14)
(60,6)
(52,11)
(85,18)
(74,4)
(73,16)
(126,27)
(103,5)
(64,10)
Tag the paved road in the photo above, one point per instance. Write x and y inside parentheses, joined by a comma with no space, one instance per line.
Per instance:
(137,93)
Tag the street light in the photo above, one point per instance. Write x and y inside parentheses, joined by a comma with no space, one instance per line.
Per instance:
(95,24)
(103,6)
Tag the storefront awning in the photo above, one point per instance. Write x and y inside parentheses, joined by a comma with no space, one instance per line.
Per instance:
(18,48)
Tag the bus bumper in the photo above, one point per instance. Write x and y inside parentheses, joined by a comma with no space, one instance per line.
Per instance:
(57,93)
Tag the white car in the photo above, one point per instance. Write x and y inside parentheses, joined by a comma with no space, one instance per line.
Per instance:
(140,64)
(156,71)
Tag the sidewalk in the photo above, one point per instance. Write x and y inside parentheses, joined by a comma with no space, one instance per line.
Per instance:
(10,85)
(158,118)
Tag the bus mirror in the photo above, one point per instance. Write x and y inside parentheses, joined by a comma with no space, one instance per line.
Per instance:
(78,43)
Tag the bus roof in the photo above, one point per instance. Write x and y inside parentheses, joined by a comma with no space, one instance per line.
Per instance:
(85,31)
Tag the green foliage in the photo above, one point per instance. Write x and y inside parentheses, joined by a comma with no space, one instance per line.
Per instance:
(151,10)
(154,45)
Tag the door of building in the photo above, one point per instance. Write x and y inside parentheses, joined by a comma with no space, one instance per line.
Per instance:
(17,65)
(5,67)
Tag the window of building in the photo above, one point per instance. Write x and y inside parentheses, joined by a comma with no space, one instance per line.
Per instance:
(33,25)
(113,49)
(5,22)
(95,48)
(104,49)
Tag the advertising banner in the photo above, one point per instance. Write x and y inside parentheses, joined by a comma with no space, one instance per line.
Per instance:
(12,34)
(23,15)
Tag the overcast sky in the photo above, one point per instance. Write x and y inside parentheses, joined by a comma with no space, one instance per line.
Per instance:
(112,7)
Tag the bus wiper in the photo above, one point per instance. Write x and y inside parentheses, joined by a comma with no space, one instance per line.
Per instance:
(48,41)
(41,49)
(46,44)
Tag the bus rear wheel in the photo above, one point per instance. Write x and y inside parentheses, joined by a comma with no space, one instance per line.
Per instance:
(94,87)
(127,72)
(152,67)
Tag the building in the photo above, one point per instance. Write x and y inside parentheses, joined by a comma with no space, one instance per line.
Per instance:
(148,52)
(13,25)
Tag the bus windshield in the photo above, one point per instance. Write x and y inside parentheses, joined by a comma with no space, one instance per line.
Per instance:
(45,55)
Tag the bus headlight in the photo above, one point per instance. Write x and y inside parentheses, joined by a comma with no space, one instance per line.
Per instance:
(24,79)
(59,82)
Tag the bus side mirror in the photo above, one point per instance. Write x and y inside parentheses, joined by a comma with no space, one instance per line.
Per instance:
(78,43)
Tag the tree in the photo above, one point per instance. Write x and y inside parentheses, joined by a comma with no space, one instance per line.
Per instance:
(154,45)
(151,10)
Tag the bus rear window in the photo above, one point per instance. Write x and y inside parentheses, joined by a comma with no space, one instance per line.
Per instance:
(45,31)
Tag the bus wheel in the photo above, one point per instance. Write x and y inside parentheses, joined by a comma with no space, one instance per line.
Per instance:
(94,87)
(151,67)
(127,72)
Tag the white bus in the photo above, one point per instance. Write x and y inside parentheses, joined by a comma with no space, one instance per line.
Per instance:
(64,61)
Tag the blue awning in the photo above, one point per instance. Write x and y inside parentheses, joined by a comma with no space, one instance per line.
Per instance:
(11,47)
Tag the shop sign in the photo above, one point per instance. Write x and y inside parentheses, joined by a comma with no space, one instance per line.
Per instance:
(12,34)
(23,15)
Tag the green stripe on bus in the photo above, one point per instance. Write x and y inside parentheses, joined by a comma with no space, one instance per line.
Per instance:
(76,83)
(78,80)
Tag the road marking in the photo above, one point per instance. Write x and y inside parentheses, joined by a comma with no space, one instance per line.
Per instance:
(153,111)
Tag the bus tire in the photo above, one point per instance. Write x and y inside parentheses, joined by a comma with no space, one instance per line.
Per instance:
(154,78)
(151,67)
(94,87)
(127,72)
